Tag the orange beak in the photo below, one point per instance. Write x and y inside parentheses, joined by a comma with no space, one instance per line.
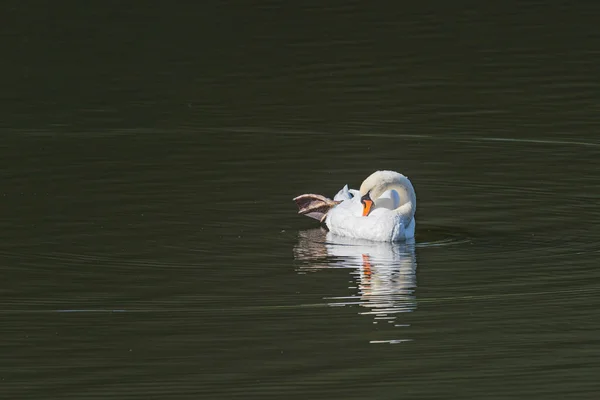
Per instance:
(367,204)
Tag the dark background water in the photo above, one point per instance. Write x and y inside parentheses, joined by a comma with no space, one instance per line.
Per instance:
(150,247)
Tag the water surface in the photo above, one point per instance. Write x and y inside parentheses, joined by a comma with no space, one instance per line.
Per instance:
(150,246)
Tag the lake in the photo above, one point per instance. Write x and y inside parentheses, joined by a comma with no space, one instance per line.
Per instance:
(151,247)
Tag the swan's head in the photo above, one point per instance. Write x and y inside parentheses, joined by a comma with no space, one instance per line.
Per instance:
(381,181)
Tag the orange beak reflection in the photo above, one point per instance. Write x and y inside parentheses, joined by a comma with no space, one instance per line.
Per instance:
(367,204)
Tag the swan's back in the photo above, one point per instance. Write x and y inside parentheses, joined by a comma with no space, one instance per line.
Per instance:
(392,215)
(383,224)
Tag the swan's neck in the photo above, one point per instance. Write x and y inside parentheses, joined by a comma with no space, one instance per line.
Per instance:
(381,181)
(407,201)
(407,212)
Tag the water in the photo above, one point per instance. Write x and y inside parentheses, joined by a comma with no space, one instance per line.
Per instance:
(150,246)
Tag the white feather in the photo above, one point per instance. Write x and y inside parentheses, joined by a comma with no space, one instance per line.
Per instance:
(391,218)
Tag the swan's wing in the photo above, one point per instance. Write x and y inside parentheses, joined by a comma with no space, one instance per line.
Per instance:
(343,194)
(314,205)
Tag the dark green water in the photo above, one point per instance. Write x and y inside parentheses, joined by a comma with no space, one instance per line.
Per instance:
(150,247)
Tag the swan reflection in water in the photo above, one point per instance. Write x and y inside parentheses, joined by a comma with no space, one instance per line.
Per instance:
(385,272)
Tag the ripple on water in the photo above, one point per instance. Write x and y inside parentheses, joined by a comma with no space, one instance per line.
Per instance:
(384,274)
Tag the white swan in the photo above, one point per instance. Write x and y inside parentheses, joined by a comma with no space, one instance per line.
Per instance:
(382,210)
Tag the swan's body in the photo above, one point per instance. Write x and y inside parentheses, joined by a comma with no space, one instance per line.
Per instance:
(382,210)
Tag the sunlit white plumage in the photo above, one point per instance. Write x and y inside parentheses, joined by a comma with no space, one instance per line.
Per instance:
(382,210)
(391,218)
